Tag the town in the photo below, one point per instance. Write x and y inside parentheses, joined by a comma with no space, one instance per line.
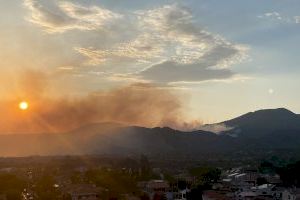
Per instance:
(141,178)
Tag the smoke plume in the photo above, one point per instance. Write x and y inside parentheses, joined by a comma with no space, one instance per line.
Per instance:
(137,104)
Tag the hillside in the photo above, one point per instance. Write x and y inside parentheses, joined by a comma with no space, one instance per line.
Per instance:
(260,131)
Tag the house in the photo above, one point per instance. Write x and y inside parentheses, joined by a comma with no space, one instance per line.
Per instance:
(156,188)
(247,195)
(215,195)
(85,191)
(287,194)
(181,194)
(273,179)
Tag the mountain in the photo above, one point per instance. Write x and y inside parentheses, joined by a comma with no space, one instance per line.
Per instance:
(263,122)
(256,132)
(121,140)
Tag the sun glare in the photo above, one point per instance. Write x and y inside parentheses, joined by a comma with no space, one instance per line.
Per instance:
(23,105)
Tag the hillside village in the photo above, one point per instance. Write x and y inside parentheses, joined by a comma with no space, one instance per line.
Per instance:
(111,178)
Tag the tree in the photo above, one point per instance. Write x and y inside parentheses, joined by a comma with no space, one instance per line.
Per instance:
(195,194)
(145,165)
(206,175)
(290,174)
(261,181)
(12,186)
(45,188)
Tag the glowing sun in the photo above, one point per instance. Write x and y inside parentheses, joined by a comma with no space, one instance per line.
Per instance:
(23,105)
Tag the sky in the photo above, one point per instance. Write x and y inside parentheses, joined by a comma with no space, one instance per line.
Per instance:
(220,59)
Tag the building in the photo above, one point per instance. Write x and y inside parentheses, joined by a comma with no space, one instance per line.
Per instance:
(155,188)
(85,191)
(181,194)
(215,195)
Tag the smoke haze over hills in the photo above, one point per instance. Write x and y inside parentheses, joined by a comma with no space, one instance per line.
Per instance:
(136,104)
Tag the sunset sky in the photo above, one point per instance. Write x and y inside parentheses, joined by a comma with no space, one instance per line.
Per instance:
(219,58)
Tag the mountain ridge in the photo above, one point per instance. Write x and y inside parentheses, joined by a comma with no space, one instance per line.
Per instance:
(264,121)
(259,131)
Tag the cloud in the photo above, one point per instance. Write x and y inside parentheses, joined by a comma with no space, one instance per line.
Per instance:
(174,26)
(151,45)
(297,19)
(171,71)
(276,16)
(138,51)
(271,15)
(169,36)
(63,16)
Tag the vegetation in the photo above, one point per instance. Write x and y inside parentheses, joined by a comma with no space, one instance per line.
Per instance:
(206,175)
(45,189)
(290,174)
(117,182)
(12,186)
